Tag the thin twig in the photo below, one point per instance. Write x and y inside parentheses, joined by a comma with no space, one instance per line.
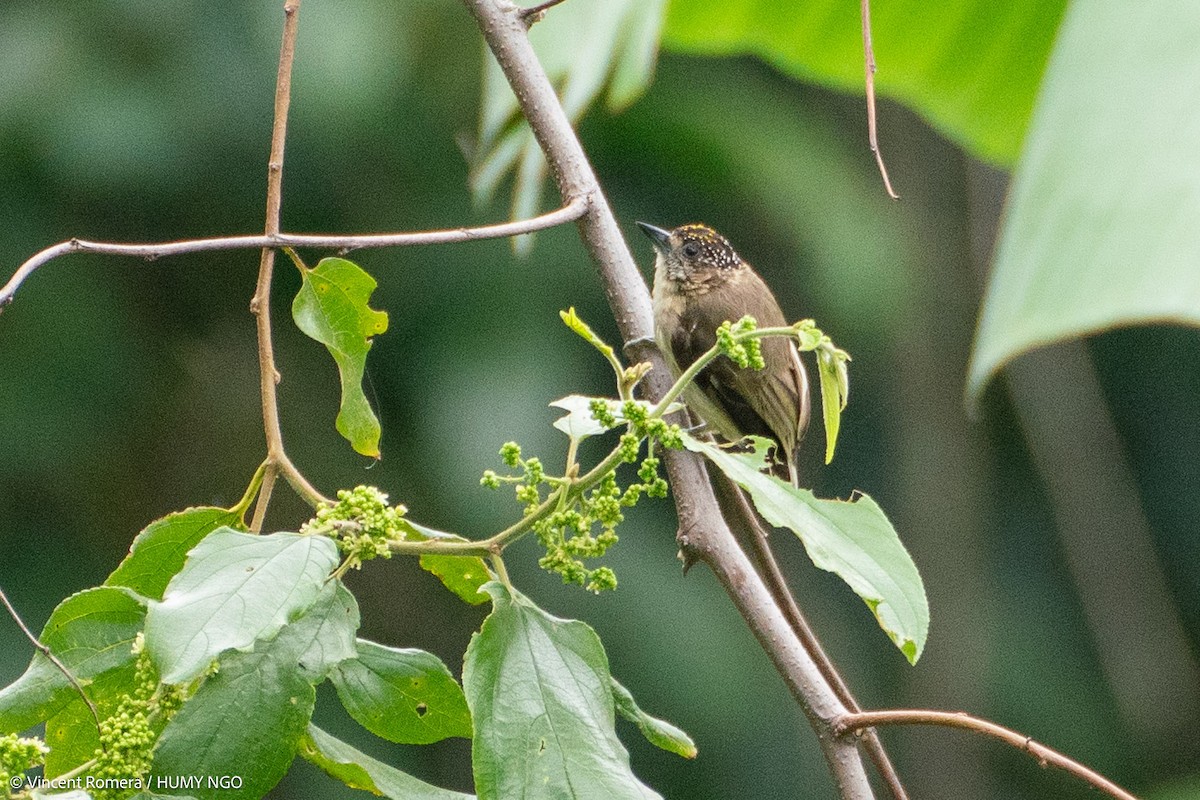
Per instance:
(872,135)
(534,13)
(44,650)
(1045,756)
(778,586)
(342,243)
(260,304)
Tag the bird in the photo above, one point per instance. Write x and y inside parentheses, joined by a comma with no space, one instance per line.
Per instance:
(701,282)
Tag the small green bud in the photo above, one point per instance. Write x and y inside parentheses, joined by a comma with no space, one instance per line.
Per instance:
(510,453)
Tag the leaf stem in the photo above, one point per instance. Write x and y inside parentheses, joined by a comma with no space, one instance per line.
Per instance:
(256,480)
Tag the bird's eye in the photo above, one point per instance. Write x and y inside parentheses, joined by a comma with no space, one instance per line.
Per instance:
(691,250)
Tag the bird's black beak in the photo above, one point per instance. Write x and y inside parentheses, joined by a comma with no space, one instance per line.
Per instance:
(660,237)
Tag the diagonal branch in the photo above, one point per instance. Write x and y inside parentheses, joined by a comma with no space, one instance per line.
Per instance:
(44,650)
(1045,756)
(342,243)
(703,533)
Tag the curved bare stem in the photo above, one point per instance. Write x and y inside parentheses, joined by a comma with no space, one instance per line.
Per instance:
(342,243)
(44,650)
(1045,756)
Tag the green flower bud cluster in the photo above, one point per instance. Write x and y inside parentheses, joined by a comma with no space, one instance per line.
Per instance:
(746,353)
(533,474)
(127,736)
(17,755)
(362,522)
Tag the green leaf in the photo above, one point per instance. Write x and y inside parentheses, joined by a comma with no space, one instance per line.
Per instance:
(659,733)
(854,540)
(971,67)
(359,771)
(541,699)
(835,392)
(331,307)
(584,46)
(160,549)
(579,423)
(584,331)
(331,623)
(248,719)
(92,633)
(405,696)
(234,589)
(1099,228)
(462,575)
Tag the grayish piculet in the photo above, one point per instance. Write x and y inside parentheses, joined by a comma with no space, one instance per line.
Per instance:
(699,283)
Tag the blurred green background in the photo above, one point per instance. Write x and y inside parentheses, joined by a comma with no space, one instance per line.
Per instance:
(1056,530)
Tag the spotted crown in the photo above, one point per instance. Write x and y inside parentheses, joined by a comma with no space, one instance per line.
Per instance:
(700,244)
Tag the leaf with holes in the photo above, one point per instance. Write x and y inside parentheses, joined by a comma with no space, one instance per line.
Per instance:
(405,696)
(331,307)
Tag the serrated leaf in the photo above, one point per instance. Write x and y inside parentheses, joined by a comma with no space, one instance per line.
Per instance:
(331,307)
(359,771)
(92,633)
(658,732)
(983,102)
(583,46)
(1098,229)
(234,589)
(541,701)
(852,539)
(249,718)
(403,695)
(160,549)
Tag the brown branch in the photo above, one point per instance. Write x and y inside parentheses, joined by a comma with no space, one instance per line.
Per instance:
(1045,756)
(872,134)
(44,650)
(260,304)
(760,546)
(703,534)
(342,243)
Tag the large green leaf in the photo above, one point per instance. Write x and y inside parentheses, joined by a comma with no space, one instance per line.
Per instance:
(331,307)
(248,719)
(359,771)
(971,67)
(234,589)
(584,47)
(1101,225)
(403,695)
(160,549)
(92,634)
(541,700)
(854,540)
